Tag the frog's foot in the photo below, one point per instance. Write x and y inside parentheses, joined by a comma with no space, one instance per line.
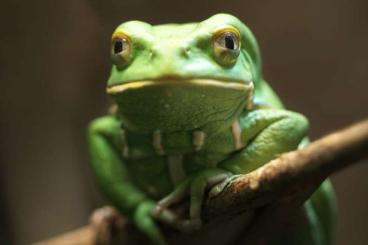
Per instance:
(105,221)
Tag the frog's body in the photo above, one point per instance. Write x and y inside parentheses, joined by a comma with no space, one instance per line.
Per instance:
(193,109)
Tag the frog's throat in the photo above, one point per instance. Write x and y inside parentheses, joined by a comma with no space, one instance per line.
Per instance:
(238,85)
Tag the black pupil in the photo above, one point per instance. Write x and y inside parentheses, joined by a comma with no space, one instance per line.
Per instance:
(118,46)
(229,42)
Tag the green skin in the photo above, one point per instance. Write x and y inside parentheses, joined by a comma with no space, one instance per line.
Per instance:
(188,118)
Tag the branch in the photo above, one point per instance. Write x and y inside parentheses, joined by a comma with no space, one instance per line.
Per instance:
(292,171)
(282,184)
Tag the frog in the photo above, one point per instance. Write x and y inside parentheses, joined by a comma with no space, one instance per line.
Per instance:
(192,110)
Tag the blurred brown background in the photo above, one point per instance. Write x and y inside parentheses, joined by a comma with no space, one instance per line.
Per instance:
(54,61)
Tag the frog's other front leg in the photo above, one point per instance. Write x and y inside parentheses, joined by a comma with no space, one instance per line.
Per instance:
(112,174)
(266,133)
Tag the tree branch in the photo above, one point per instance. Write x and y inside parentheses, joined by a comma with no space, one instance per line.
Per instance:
(282,184)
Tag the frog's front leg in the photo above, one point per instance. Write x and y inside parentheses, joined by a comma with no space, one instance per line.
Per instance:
(265,134)
(112,173)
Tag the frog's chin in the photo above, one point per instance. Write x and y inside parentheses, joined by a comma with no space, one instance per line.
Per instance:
(232,85)
(179,105)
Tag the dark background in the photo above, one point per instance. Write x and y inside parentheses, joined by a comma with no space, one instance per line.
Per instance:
(54,61)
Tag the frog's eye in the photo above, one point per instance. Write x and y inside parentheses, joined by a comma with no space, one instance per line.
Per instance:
(120,49)
(226,45)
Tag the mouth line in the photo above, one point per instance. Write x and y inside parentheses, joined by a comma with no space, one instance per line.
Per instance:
(236,85)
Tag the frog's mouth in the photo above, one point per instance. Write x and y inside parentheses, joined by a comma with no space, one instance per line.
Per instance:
(176,105)
(232,85)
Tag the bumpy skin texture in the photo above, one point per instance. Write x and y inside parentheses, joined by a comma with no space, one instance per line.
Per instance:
(193,109)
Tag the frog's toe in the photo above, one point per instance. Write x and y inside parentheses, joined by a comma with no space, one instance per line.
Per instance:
(219,186)
(216,180)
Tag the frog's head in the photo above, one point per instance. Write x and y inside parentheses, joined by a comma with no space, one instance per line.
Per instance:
(177,77)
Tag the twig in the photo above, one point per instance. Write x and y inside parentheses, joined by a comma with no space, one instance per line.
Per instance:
(285,182)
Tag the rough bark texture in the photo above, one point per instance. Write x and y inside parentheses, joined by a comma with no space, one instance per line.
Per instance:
(282,184)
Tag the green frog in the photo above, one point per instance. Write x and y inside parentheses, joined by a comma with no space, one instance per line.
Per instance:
(192,110)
